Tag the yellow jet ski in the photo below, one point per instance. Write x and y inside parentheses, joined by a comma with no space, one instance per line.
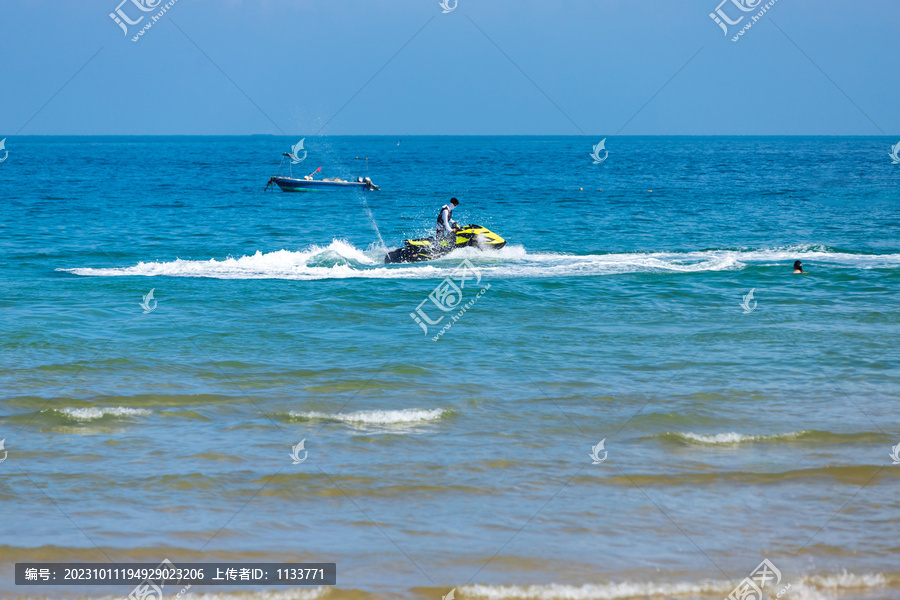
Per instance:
(467,236)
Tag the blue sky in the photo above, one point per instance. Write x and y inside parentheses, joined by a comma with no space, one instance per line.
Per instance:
(486,68)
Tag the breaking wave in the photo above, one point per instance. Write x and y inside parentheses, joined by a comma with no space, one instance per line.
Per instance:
(376,417)
(94,413)
(810,587)
(805,436)
(341,260)
(827,586)
(294,594)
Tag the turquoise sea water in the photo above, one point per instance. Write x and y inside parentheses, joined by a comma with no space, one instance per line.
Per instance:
(613,314)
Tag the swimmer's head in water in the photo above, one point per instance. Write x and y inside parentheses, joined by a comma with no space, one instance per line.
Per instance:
(798,266)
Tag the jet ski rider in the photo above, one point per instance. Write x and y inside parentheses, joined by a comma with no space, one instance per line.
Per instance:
(446,226)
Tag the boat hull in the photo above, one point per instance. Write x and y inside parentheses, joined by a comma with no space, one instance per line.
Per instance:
(288,184)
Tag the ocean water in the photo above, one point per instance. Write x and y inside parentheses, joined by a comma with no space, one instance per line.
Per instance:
(456,460)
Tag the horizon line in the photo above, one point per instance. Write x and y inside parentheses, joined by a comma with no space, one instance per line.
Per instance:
(472,135)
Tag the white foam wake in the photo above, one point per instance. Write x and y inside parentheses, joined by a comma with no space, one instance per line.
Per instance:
(377,417)
(341,260)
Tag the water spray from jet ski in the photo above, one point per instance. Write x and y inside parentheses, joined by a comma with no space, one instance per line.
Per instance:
(467,236)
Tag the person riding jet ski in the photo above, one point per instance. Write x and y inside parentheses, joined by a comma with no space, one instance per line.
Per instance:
(446,226)
(448,237)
